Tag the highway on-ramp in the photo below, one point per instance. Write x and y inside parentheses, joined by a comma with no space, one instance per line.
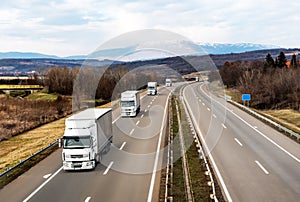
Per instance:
(253,161)
(129,172)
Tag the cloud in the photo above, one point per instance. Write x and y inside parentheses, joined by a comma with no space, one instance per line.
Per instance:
(83,24)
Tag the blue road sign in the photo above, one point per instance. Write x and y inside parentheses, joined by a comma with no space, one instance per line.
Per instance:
(246,97)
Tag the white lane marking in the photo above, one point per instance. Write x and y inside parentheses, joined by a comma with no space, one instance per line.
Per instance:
(266,137)
(150,103)
(116,119)
(148,106)
(122,146)
(214,116)
(142,116)
(87,199)
(146,110)
(223,126)
(200,100)
(261,167)
(107,169)
(131,131)
(238,142)
(42,185)
(46,176)
(150,193)
(208,109)
(210,155)
(203,103)
(137,122)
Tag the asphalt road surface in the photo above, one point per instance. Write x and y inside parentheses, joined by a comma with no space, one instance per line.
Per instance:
(129,172)
(254,162)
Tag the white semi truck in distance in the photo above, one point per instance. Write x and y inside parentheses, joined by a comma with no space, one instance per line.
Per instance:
(168,82)
(152,88)
(130,103)
(88,135)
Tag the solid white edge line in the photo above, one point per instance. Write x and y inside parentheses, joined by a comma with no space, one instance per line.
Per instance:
(150,193)
(122,146)
(87,199)
(261,167)
(266,137)
(211,158)
(108,168)
(238,142)
(42,185)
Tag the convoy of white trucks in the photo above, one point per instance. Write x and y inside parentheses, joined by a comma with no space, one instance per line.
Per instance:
(152,88)
(88,135)
(168,82)
(130,103)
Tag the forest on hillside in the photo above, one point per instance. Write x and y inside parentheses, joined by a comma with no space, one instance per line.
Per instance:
(272,83)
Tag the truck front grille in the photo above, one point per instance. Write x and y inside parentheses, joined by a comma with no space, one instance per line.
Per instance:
(76,156)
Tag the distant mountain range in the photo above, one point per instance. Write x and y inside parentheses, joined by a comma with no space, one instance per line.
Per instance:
(201,62)
(209,48)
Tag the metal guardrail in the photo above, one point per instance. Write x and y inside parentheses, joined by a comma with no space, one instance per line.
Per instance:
(201,151)
(9,170)
(261,117)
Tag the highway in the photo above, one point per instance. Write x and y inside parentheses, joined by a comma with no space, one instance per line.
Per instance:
(129,172)
(253,161)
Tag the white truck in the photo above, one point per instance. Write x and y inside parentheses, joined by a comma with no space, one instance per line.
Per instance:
(152,88)
(87,136)
(168,82)
(130,103)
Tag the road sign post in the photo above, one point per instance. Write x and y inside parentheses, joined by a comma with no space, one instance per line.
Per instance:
(245,98)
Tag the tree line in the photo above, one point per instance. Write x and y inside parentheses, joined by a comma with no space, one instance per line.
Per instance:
(272,83)
(89,83)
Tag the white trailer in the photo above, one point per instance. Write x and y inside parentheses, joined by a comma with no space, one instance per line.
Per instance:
(152,88)
(168,82)
(130,103)
(88,135)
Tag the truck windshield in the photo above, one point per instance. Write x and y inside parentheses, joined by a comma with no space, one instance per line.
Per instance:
(77,142)
(127,103)
(151,88)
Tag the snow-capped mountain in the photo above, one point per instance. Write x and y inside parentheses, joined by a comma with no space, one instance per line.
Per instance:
(220,48)
(208,48)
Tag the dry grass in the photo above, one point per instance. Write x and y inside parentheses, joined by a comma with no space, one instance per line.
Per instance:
(286,117)
(22,146)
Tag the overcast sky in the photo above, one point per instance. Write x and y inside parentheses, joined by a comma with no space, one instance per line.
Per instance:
(74,27)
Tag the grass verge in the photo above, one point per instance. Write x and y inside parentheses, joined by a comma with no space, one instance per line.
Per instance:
(198,180)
